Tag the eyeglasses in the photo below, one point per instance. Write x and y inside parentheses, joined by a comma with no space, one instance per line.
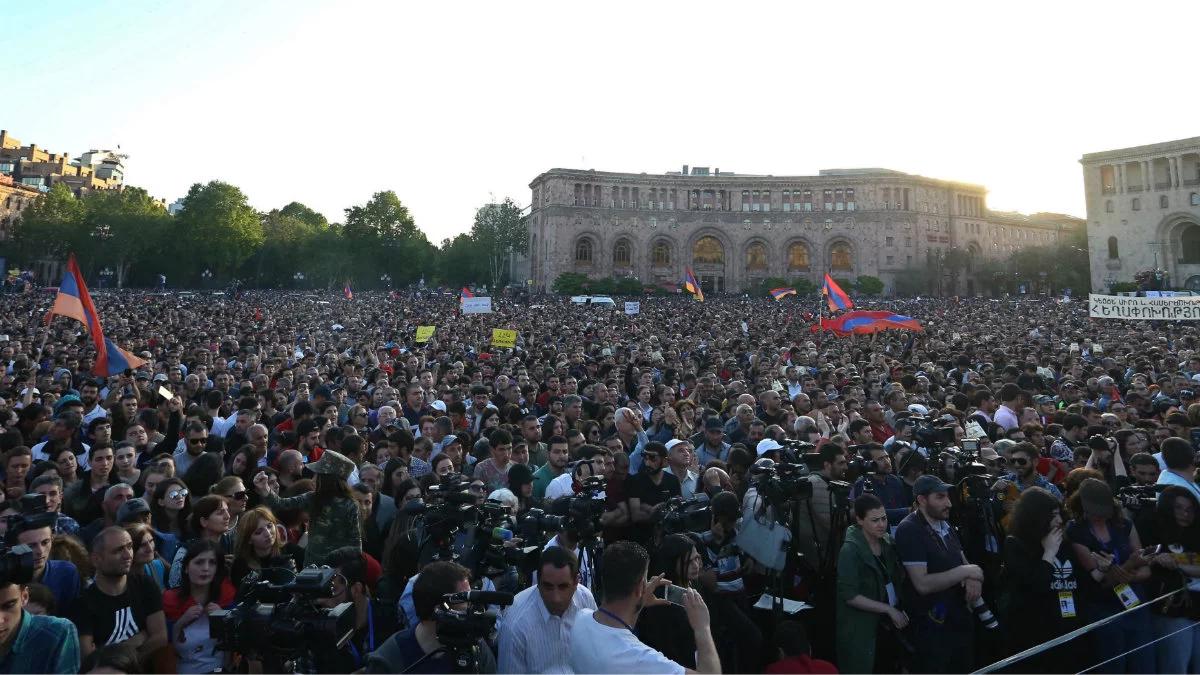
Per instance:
(240,496)
(198,441)
(177,494)
(1019,461)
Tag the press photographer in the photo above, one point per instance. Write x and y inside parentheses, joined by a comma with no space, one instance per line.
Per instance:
(31,643)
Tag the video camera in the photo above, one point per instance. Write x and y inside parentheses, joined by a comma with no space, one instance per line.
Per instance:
(33,515)
(1137,497)
(492,557)
(678,515)
(461,630)
(932,433)
(277,617)
(584,510)
(450,508)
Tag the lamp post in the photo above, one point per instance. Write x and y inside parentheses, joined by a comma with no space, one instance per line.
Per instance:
(386,280)
(1042,274)
(299,279)
(105,276)
(206,276)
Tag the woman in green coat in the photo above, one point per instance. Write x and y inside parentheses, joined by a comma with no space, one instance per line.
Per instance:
(869,576)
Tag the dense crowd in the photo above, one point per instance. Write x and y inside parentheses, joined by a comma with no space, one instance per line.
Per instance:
(649,487)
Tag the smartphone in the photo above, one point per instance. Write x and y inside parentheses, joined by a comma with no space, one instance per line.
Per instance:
(671,593)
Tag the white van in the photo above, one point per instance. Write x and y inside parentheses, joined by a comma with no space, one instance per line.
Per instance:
(593,300)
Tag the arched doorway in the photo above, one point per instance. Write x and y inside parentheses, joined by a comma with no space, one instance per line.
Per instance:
(708,262)
(1193,283)
(1190,244)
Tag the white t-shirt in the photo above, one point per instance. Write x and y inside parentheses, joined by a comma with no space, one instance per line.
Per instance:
(560,486)
(596,648)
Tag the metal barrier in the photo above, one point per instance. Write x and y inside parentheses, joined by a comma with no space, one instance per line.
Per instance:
(1067,637)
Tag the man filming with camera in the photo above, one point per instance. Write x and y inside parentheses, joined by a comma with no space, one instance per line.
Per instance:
(371,626)
(421,642)
(30,643)
(814,525)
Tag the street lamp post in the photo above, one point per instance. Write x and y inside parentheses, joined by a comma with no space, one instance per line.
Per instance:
(206,275)
(105,276)
(386,280)
(1042,274)
(299,278)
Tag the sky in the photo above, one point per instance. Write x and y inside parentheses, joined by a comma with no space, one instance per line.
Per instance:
(453,105)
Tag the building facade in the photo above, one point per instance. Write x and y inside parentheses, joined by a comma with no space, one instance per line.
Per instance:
(736,230)
(1143,212)
(39,169)
(14,199)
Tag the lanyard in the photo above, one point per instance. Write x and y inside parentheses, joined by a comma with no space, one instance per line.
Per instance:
(358,659)
(615,618)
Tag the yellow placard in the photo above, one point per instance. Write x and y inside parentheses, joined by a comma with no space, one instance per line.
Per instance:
(424,333)
(504,338)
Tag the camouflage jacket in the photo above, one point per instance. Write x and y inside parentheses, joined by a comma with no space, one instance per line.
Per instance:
(334,527)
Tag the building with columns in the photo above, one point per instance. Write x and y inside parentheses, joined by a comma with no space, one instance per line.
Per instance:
(736,230)
(1143,212)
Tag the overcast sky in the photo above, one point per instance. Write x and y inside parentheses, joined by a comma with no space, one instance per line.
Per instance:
(454,104)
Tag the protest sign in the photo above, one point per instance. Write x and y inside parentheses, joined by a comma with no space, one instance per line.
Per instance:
(504,338)
(632,308)
(424,333)
(477,305)
(1185,308)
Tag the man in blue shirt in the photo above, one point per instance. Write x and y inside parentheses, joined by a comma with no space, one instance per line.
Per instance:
(60,576)
(1023,457)
(33,644)
(883,483)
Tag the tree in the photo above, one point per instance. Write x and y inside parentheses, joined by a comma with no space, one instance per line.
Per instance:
(380,236)
(126,226)
(804,286)
(868,285)
(570,283)
(458,260)
(913,281)
(500,231)
(52,226)
(219,228)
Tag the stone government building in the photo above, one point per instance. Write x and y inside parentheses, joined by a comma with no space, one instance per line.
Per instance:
(735,230)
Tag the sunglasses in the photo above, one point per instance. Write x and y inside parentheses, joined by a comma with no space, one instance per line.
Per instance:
(177,494)
(240,496)
(198,441)
(1019,461)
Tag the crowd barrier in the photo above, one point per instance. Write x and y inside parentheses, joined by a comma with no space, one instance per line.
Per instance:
(1067,637)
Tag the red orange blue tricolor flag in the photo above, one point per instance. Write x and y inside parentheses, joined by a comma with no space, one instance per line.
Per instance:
(74,301)
(865,323)
(781,293)
(835,296)
(466,293)
(692,286)
(348,292)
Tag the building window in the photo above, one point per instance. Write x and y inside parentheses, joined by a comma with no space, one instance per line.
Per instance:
(756,257)
(787,200)
(889,241)
(839,257)
(798,257)
(661,254)
(1108,180)
(708,250)
(583,252)
(1163,202)
(745,200)
(890,260)
(621,254)
(1137,204)
(808,200)
(1108,206)
(766,197)
(849,199)
(578,194)
(828,199)
(1195,199)
(1113,252)
(1190,241)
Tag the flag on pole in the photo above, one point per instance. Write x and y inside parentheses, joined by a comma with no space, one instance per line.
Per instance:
(466,293)
(348,292)
(74,301)
(781,293)
(835,296)
(692,286)
(867,323)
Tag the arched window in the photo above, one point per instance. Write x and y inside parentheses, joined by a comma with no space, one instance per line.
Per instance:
(708,250)
(756,257)
(621,253)
(1195,199)
(1108,206)
(583,252)
(1113,251)
(839,256)
(662,254)
(798,257)
(1191,244)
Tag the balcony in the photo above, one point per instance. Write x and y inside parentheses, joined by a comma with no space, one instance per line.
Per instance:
(1163,186)
(1191,181)
(1133,188)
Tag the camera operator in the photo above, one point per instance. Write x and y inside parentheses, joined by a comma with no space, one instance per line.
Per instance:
(536,634)
(31,643)
(816,538)
(723,569)
(35,530)
(940,582)
(880,482)
(371,623)
(603,641)
(403,649)
(649,488)
(910,465)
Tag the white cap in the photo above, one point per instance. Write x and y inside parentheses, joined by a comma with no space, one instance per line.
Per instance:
(767,445)
(918,409)
(673,442)
(439,405)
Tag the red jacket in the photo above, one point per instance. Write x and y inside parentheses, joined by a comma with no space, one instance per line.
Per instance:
(801,664)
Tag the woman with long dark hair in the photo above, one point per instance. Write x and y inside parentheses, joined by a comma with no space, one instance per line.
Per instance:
(209,522)
(1040,584)
(1171,533)
(171,507)
(205,589)
(333,512)
(868,582)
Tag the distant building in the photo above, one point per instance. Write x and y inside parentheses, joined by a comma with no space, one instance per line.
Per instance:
(14,199)
(175,207)
(1143,212)
(34,167)
(736,230)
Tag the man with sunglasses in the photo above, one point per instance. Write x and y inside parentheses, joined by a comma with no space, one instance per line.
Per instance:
(195,442)
(1023,459)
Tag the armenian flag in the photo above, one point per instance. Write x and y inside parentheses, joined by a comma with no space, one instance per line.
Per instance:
(865,323)
(692,286)
(74,301)
(466,293)
(835,296)
(781,293)
(347,291)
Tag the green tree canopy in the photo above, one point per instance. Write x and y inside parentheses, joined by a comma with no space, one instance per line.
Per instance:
(219,227)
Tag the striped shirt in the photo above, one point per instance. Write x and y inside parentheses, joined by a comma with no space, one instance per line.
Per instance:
(532,640)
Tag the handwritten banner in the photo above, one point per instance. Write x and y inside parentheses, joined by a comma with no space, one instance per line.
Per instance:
(1185,308)
(632,308)
(504,338)
(477,305)
(424,333)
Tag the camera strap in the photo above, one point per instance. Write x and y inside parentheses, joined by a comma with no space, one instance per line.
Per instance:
(614,617)
(358,657)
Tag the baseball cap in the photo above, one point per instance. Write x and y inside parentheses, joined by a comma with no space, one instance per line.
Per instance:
(131,510)
(928,484)
(767,445)
(439,405)
(918,409)
(1041,399)
(674,442)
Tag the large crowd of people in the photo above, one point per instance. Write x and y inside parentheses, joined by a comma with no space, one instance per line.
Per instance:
(615,493)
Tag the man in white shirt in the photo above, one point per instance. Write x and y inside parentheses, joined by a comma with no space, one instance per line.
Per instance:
(1010,399)
(535,636)
(679,458)
(603,641)
(1180,461)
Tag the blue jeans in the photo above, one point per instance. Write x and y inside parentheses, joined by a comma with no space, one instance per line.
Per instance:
(1179,653)
(1120,636)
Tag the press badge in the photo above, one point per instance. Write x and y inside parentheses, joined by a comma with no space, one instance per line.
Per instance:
(1127,596)
(891,593)
(1066,604)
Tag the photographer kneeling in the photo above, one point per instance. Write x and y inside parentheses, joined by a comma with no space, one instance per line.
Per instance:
(402,650)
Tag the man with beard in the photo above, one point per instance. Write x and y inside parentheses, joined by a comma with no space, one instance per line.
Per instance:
(1023,458)
(650,487)
(940,582)
(531,431)
(556,464)
(89,394)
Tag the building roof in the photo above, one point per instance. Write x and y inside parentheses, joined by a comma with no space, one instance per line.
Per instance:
(824,176)
(1182,144)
